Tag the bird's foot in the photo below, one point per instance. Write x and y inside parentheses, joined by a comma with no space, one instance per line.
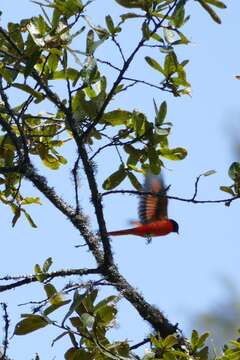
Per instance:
(148,239)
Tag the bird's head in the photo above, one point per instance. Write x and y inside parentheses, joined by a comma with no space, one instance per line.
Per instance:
(175,226)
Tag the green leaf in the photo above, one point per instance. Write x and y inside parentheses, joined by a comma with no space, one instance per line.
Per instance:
(50,161)
(194,339)
(227,189)
(90,42)
(174,154)
(54,307)
(216,3)
(141,4)
(169,341)
(29,219)
(134,181)
(30,324)
(77,354)
(55,297)
(146,31)
(170,64)
(169,35)
(47,264)
(209,172)
(139,122)
(154,161)
(80,103)
(202,339)
(16,35)
(154,64)
(69,73)
(178,16)
(38,273)
(50,290)
(31,200)
(8,75)
(210,11)
(110,24)
(130,16)
(234,171)
(105,315)
(39,96)
(161,114)
(115,179)
(108,300)
(134,154)
(53,62)
(117,117)
(32,61)
(87,320)
(17,214)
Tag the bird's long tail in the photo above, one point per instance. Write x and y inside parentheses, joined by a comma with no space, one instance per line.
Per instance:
(121,232)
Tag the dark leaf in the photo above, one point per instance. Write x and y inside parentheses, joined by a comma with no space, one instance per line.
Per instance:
(234,171)
(30,324)
(210,11)
(115,179)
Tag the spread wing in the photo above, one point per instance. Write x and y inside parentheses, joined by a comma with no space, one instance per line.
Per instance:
(151,207)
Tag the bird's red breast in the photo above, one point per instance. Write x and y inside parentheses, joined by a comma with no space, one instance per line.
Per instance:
(156,228)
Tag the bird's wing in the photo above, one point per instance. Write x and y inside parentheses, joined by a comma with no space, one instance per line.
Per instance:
(151,207)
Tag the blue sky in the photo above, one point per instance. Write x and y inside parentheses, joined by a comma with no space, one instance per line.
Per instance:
(179,274)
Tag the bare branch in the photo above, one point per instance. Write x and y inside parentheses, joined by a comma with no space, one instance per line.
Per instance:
(47,276)
(188,200)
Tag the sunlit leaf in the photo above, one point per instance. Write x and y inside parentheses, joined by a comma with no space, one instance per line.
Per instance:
(117,117)
(47,264)
(154,64)
(173,154)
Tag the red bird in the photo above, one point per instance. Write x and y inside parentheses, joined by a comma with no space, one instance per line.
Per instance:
(152,213)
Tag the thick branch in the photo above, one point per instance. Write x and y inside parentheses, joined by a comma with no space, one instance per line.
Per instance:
(80,221)
(148,312)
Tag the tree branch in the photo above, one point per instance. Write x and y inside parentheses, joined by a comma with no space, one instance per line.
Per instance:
(33,278)
(188,200)
(80,221)
(6,331)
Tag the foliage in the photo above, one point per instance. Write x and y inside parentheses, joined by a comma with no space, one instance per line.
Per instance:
(37,56)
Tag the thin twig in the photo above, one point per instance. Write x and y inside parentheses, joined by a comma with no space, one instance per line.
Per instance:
(188,200)
(141,343)
(75,178)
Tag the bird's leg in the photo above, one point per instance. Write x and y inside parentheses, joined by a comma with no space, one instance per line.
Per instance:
(149,239)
